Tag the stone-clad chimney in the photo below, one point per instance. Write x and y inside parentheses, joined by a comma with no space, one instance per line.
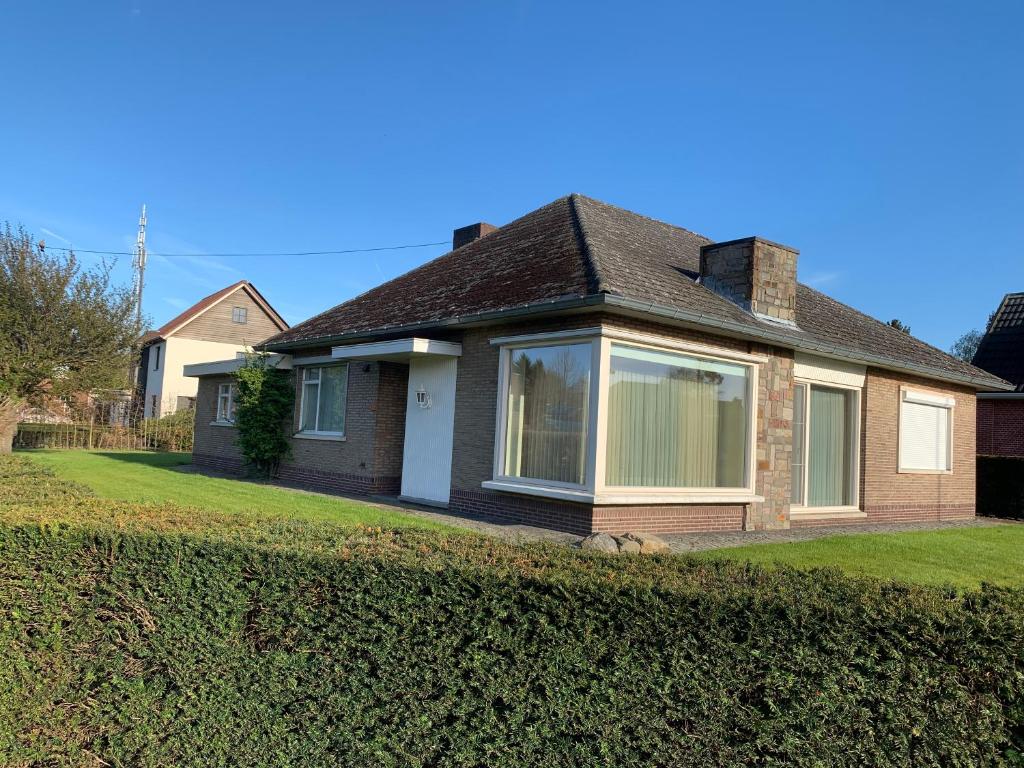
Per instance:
(756,274)
(465,235)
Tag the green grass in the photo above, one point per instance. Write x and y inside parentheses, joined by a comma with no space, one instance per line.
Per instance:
(145,477)
(962,557)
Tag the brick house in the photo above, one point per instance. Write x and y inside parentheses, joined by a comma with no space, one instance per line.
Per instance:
(1001,352)
(221,325)
(587,368)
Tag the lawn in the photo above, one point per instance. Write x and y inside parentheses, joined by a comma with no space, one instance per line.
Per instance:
(142,476)
(963,557)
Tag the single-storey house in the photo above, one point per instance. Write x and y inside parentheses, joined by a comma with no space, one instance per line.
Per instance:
(587,368)
(221,325)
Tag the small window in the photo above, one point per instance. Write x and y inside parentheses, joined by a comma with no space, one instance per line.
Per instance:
(324,393)
(226,403)
(926,432)
(156,357)
(239,315)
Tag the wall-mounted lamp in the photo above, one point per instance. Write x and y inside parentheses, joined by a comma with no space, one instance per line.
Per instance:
(422,398)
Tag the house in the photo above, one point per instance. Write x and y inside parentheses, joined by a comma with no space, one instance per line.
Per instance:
(587,368)
(222,325)
(1001,352)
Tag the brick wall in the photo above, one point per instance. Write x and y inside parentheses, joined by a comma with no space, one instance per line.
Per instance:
(886,494)
(1001,427)
(367,461)
(774,447)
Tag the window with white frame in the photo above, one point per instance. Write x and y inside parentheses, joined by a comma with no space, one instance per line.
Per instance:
(324,392)
(825,451)
(926,432)
(226,394)
(239,314)
(620,415)
(675,421)
(547,426)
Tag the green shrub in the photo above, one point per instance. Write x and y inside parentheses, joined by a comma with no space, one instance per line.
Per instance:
(153,636)
(173,432)
(265,399)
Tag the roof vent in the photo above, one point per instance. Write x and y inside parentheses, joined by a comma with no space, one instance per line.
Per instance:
(466,235)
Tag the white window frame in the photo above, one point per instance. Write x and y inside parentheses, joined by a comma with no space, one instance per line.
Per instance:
(802,510)
(240,315)
(937,400)
(318,433)
(594,489)
(228,390)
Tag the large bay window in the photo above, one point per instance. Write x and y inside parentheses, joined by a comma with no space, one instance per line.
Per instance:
(322,407)
(611,416)
(675,421)
(548,394)
(825,450)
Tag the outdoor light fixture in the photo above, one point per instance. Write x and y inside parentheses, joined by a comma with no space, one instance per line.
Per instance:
(422,398)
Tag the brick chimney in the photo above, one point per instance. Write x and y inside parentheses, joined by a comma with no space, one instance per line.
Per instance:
(466,235)
(756,274)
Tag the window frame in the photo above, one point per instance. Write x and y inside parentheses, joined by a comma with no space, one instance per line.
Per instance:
(931,398)
(156,356)
(796,510)
(319,433)
(594,489)
(240,315)
(228,420)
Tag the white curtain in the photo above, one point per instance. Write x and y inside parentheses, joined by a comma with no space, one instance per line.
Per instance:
(675,421)
(546,434)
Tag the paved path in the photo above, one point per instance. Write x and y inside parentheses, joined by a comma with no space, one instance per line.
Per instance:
(678,542)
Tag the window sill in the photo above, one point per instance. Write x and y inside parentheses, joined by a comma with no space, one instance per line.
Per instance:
(902,471)
(587,497)
(319,436)
(826,513)
(222,424)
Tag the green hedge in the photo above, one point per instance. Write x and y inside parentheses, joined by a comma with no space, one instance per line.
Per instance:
(153,636)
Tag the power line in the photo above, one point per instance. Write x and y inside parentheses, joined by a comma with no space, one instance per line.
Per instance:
(230,255)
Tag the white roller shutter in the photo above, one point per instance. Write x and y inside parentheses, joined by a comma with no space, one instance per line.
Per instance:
(925,426)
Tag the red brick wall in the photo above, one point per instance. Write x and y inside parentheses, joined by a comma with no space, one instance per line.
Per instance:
(1001,427)
(888,495)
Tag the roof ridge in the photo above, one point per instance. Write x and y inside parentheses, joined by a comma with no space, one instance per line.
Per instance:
(590,264)
(578,196)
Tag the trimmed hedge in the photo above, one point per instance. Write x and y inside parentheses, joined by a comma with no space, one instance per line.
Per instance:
(151,636)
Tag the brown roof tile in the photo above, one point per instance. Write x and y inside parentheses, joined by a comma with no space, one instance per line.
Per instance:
(580,248)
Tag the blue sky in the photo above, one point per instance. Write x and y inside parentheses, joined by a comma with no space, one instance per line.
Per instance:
(884,140)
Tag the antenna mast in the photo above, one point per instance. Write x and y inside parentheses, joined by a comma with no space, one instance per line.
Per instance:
(139,268)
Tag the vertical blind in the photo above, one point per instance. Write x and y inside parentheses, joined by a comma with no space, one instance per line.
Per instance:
(924,436)
(799,436)
(547,414)
(675,421)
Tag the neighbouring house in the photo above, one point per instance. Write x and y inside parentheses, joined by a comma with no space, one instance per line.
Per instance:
(1001,352)
(587,368)
(222,325)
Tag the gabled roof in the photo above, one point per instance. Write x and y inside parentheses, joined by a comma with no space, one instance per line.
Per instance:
(1001,350)
(209,302)
(576,252)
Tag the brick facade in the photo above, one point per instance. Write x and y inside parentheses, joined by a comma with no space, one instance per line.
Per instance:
(886,494)
(369,460)
(1001,426)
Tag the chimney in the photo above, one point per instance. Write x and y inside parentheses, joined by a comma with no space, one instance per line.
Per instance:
(466,235)
(756,274)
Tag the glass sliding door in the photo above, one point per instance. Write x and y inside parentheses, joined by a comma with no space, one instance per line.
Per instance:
(829,460)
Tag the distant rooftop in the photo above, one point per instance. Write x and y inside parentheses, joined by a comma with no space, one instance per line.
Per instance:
(1002,349)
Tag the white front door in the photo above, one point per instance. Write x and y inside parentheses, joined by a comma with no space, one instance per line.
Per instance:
(429,426)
